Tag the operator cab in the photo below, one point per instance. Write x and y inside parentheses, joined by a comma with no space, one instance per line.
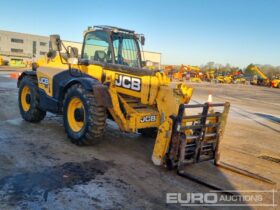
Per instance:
(106,44)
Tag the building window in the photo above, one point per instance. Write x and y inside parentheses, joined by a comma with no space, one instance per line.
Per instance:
(16,50)
(43,44)
(34,48)
(16,40)
(43,53)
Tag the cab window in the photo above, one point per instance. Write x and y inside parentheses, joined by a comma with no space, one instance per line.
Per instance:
(126,51)
(96,47)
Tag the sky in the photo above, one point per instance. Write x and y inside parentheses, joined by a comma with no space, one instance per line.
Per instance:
(238,32)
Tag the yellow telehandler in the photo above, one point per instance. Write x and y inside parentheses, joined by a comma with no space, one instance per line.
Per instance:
(108,81)
(259,78)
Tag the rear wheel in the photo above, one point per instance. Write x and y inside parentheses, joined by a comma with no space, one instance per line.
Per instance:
(28,100)
(84,120)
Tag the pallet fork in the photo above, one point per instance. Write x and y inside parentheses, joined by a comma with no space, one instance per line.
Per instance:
(199,137)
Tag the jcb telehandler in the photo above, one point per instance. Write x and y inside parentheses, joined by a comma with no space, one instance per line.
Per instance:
(108,81)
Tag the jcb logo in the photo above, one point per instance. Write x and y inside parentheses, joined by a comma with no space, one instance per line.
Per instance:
(151,118)
(44,81)
(128,82)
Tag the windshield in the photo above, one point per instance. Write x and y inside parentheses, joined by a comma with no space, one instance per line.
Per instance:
(126,51)
(97,48)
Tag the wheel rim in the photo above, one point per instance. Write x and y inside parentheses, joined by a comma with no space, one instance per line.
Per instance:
(75,108)
(25,98)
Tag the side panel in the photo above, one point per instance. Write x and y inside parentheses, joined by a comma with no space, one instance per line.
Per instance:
(45,77)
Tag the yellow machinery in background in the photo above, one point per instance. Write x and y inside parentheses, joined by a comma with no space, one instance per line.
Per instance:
(169,71)
(236,77)
(210,75)
(227,79)
(275,82)
(17,63)
(1,61)
(108,81)
(187,72)
(194,73)
(259,77)
(239,79)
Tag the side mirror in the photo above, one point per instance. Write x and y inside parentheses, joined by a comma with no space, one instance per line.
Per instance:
(142,40)
(73,52)
(55,42)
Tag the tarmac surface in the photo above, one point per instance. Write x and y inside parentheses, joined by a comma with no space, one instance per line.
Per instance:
(41,169)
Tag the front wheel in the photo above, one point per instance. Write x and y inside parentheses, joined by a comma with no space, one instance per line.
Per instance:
(84,120)
(28,100)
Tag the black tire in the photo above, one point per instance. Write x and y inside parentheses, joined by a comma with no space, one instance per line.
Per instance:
(34,114)
(149,132)
(94,118)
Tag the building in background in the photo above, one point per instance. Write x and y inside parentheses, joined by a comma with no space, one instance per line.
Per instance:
(20,48)
(17,48)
